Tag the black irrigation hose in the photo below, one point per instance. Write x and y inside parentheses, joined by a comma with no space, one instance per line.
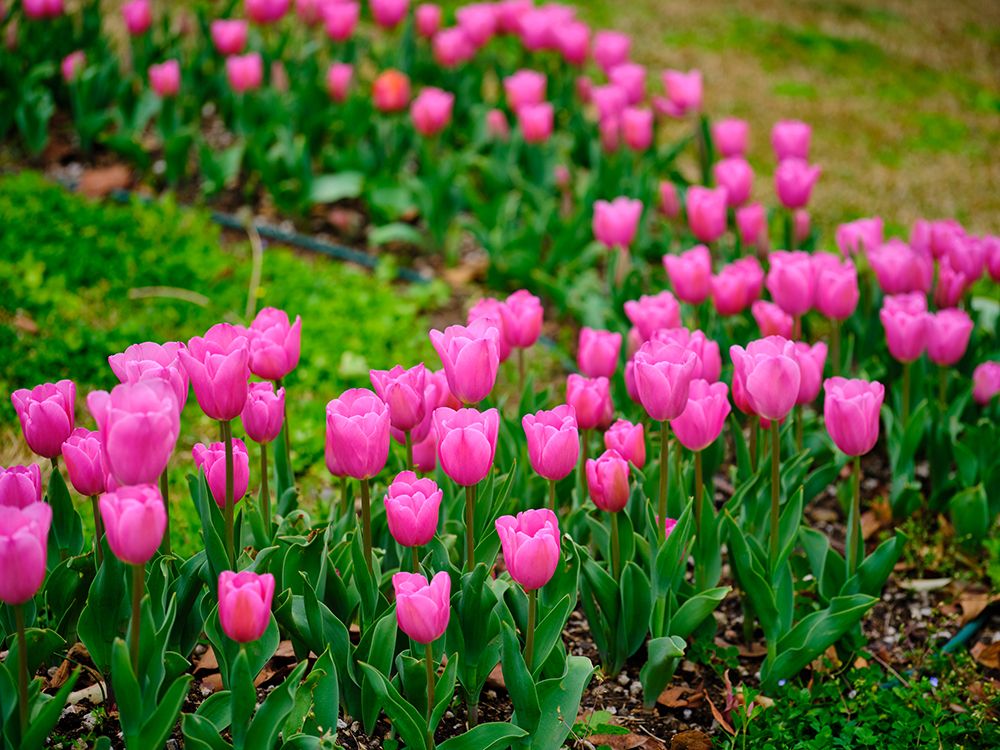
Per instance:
(960,639)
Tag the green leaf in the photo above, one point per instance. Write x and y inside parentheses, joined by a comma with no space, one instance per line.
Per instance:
(517,678)
(396,232)
(493,736)
(405,718)
(67,528)
(548,632)
(159,726)
(694,611)
(44,720)
(663,656)
(126,686)
(970,514)
(875,569)
(243,697)
(273,711)
(753,580)
(378,653)
(41,644)
(218,709)
(828,567)
(559,701)
(330,188)
(202,734)
(444,691)
(636,605)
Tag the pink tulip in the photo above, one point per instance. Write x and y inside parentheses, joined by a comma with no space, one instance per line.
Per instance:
(152,361)
(338,80)
(610,133)
(138,16)
(992,252)
(212,460)
(771,319)
(790,140)
(389,13)
(411,509)
(245,604)
(913,302)
(608,481)
(791,281)
(310,12)
(229,36)
(425,453)
(670,202)
(82,453)
(47,414)
(266,11)
(630,387)
(610,101)
(701,422)
(436,393)
(811,360)
(837,290)
(403,392)
(611,48)
(522,319)
(591,400)
(951,285)
(451,48)
(470,355)
(769,372)
(663,373)
(900,268)
(218,365)
(274,344)
(751,221)
(72,65)
(737,285)
(496,125)
(553,441)
(478,21)
(573,41)
(690,274)
(637,128)
(684,91)
(391,91)
(139,424)
(264,412)
(730,136)
(524,87)
(245,72)
(467,443)
(616,222)
(706,210)
(851,412)
(339,19)
(530,543)
(422,608)
(357,432)
(597,352)
(948,334)
(736,176)
(20,486)
(165,78)
(24,534)
(428,19)
(709,366)
(905,332)
(134,521)
(631,77)
(431,111)
(985,382)
(859,236)
(490,309)
(37,9)
(651,313)
(536,122)
(793,182)
(628,440)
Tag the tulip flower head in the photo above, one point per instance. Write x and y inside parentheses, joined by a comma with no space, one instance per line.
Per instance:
(637,128)
(152,361)
(218,365)
(422,609)
(690,274)
(751,222)
(411,509)
(229,35)
(837,293)
(704,415)
(737,285)
(730,137)
(165,78)
(948,334)
(530,543)
(245,72)
(684,92)
(491,310)
(470,356)
(467,443)
(553,441)
(631,77)
(597,352)
(851,412)
(608,481)
(338,80)
(428,19)
(391,91)
(340,18)
(736,176)
(266,11)
(245,604)
(670,202)
(522,319)
(24,534)
(771,319)
(663,373)
(134,521)
(628,440)
(591,400)
(138,16)
(615,222)
(859,236)
(811,361)
(985,382)
(769,372)
(706,211)
(709,364)
(389,13)
(264,412)
(47,415)
(650,314)
(524,87)
(82,453)
(357,432)
(212,460)
(791,281)
(794,180)
(536,121)
(72,65)
(611,48)
(790,139)
(20,486)
(906,331)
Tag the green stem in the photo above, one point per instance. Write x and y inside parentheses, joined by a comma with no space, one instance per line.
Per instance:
(138,581)
(699,491)
(906,393)
(799,427)
(470,527)
(165,494)
(854,542)
(789,229)
(343,494)
(584,440)
(520,372)
(98,530)
(775,487)
(227,440)
(429,660)
(265,492)
(287,432)
(415,552)
(366,521)
(664,476)
(616,563)
(754,430)
(943,389)
(835,346)
(408,439)
(473,712)
(552,495)
(529,636)
(22,668)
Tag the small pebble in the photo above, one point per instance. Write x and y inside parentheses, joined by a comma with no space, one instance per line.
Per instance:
(623,679)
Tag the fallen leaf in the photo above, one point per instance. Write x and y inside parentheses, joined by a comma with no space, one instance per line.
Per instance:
(870,524)
(464,274)
(925,584)
(680,696)
(719,718)
(285,651)
(496,677)
(97,183)
(987,655)
(691,740)
(753,651)
(207,662)
(212,682)
(92,694)
(626,741)
(974,602)
(25,324)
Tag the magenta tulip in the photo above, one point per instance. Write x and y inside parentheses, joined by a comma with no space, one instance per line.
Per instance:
(39,9)
(629,440)
(610,101)
(631,77)
(431,111)
(357,431)
(905,332)
(663,373)
(82,453)
(422,608)
(751,222)
(859,236)
(264,412)
(530,543)
(790,140)
(535,121)
(608,481)
(737,285)
(467,443)
(811,360)
(837,293)
(134,520)
(553,441)
(229,36)
(219,367)
(791,281)
(245,72)
(948,334)
(245,604)
(72,65)
(522,319)
(900,268)
(615,222)
(770,373)
(524,87)
(690,274)
(338,80)
(496,124)
(451,48)
(389,13)
(736,176)
(47,414)
(212,460)
(339,20)
(771,319)
(403,391)
(670,202)
(165,78)
(851,412)
(700,424)
(597,352)
(138,16)
(709,365)
(951,285)
(274,344)
(573,41)
(411,509)
(706,211)
(152,361)
(793,182)
(611,48)
(591,400)
(24,534)
(470,356)
(649,314)
(266,11)
(637,128)
(985,382)
(730,137)
(490,309)
(20,486)
(428,19)
(684,92)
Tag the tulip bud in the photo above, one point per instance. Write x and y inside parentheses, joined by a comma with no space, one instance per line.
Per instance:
(524,87)
(607,481)
(611,48)
(536,122)
(245,72)
(663,373)
(729,136)
(389,13)
(690,274)
(24,534)
(851,412)
(905,332)
(82,454)
(706,211)
(165,78)
(138,16)
(264,412)
(340,18)
(791,281)
(431,111)
(403,392)
(770,374)
(219,367)
(134,521)
(338,80)
(470,355)
(553,441)
(245,604)
(591,400)
(47,414)
(530,543)
(212,460)
(274,344)
(793,182)
(628,440)
(422,608)
(357,432)
(467,443)
(649,314)
(411,509)
(736,176)
(266,11)
(597,352)
(616,222)
(522,319)
(428,19)
(20,486)
(391,91)
(704,415)
(837,290)
(790,140)
(229,36)
(986,382)
(948,334)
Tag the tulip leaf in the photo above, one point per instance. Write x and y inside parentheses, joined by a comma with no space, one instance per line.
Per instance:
(662,657)
(243,698)
(671,556)
(44,719)
(273,711)
(518,680)
(330,188)
(218,709)
(67,529)
(201,734)
(496,735)
(226,650)
(559,703)
(875,569)
(41,645)
(694,611)
(161,723)
(827,566)
(378,653)
(404,717)
(126,688)
(548,632)
(970,514)
(444,690)
(636,605)
(753,581)
(788,528)
(211,524)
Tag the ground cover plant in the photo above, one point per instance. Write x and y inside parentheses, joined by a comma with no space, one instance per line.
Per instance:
(469,547)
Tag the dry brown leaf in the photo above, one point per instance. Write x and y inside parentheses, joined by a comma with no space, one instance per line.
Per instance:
(465,273)
(496,677)
(987,655)
(719,717)
(974,602)
(680,696)
(207,662)
(626,741)
(97,183)
(285,651)
(753,651)
(212,682)
(25,324)
(691,740)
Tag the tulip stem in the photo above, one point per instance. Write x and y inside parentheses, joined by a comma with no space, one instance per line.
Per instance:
(616,563)
(775,488)
(429,659)
(789,229)
(906,394)
(265,492)
(943,389)
(552,495)
(165,494)
(366,521)
(753,442)
(408,440)
(22,668)
(227,440)
(470,521)
(98,531)
(699,491)
(854,541)
(529,635)
(520,372)
(584,440)
(416,559)
(138,581)
(797,329)
(288,435)
(664,476)
(835,346)
(800,415)
(343,494)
